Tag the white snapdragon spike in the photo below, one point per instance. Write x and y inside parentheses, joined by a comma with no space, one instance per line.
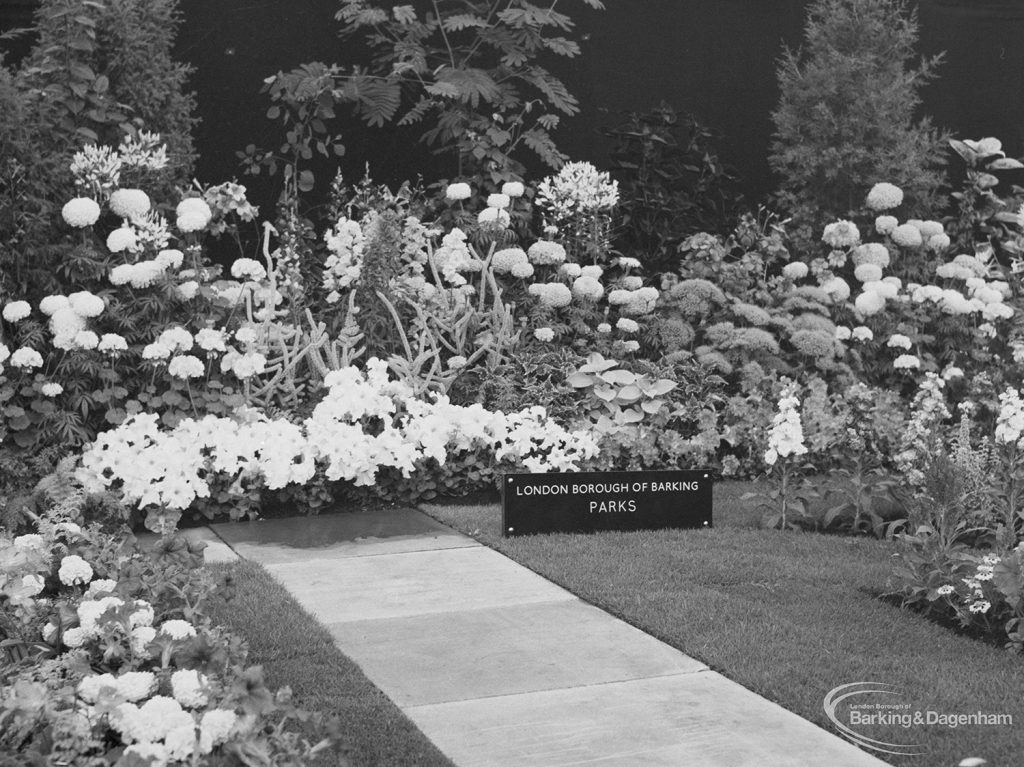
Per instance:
(884,196)
(345,243)
(786,437)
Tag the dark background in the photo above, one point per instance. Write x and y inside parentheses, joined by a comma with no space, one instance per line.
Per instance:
(713,58)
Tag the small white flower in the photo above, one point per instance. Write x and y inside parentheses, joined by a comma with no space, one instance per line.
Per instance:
(493,217)
(884,196)
(544,334)
(188,290)
(86,339)
(248,269)
(604,327)
(898,341)
(457,362)
(946,590)
(907,235)
(75,637)
(112,342)
(501,201)
(627,325)
(25,358)
(906,362)
(843,333)
(51,389)
(29,542)
(129,204)
(952,372)
(193,215)
(186,366)
(795,270)
(188,687)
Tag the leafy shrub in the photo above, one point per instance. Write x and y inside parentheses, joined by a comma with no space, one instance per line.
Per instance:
(845,115)
(671,183)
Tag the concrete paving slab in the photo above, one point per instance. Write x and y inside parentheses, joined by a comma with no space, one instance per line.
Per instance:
(417,583)
(354,534)
(216,550)
(684,719)
(500,651)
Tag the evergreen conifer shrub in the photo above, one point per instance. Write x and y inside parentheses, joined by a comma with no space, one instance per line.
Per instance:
(846,115)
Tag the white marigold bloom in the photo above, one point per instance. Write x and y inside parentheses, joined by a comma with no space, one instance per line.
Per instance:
(928,229)
(121,240)
(457,362)
(52,389)
(546,253)
(186,366)
(5,353)
(112,342)
(499,200)
(503,260)
(837,288)
(177,629)
(521,271)
(141,637)
(898,341)
(571,271)
(630,346)
(188,290)
(247,335)
(795,270)
(627,325)
(16,311)
(86,304)
(841,234)
(189,688)
(136,685)
(628,262)
(215,728)
(248,269)
(952,372)
(907,236)
(906,362)
(211,340)
(885,289)
(604,328)
(641,301)
(587,289)
(886,225)
(938,242)
(130,203)
(593,270)
(869,302)
(74,637)
(843,333)
(868,273)
(81,212)
(862,333)
(620,297)
(884,196)
(170,259)
(632,282)
(86,339)
(73,570)
(553,295)
(493,217)
(513,188)
(544,334)
(458,191)
(26,358)
(193,215)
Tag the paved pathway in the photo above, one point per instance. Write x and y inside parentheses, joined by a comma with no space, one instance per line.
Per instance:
(501,667)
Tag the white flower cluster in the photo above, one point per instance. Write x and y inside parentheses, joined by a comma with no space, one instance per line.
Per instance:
(551,295)
(1010,423)
(68,319)
(577,188)
(786,437)
(226,198)
(841,234)
(453,256)
(345,242)
(171,468)
(635,302)
(193,215)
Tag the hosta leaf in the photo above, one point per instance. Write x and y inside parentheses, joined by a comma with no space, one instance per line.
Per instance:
(619,377)
(579,380)
(606,393)
(628,394)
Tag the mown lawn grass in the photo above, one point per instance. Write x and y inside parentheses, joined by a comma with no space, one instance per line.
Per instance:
(787,615)
(297,651)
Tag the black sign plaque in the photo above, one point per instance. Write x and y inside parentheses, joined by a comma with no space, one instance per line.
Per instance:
(590,502)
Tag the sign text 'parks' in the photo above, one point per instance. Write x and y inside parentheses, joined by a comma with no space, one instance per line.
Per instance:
(590,502)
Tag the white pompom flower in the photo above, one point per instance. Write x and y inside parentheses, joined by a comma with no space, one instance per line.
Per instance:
(74,570)
(81,212)
(884,196)
(122,239)
(16,311)
(130,204)
(458,191)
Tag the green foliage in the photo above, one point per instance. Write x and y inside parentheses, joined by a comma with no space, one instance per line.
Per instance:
(845,119)
(671,185)
(470,71)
